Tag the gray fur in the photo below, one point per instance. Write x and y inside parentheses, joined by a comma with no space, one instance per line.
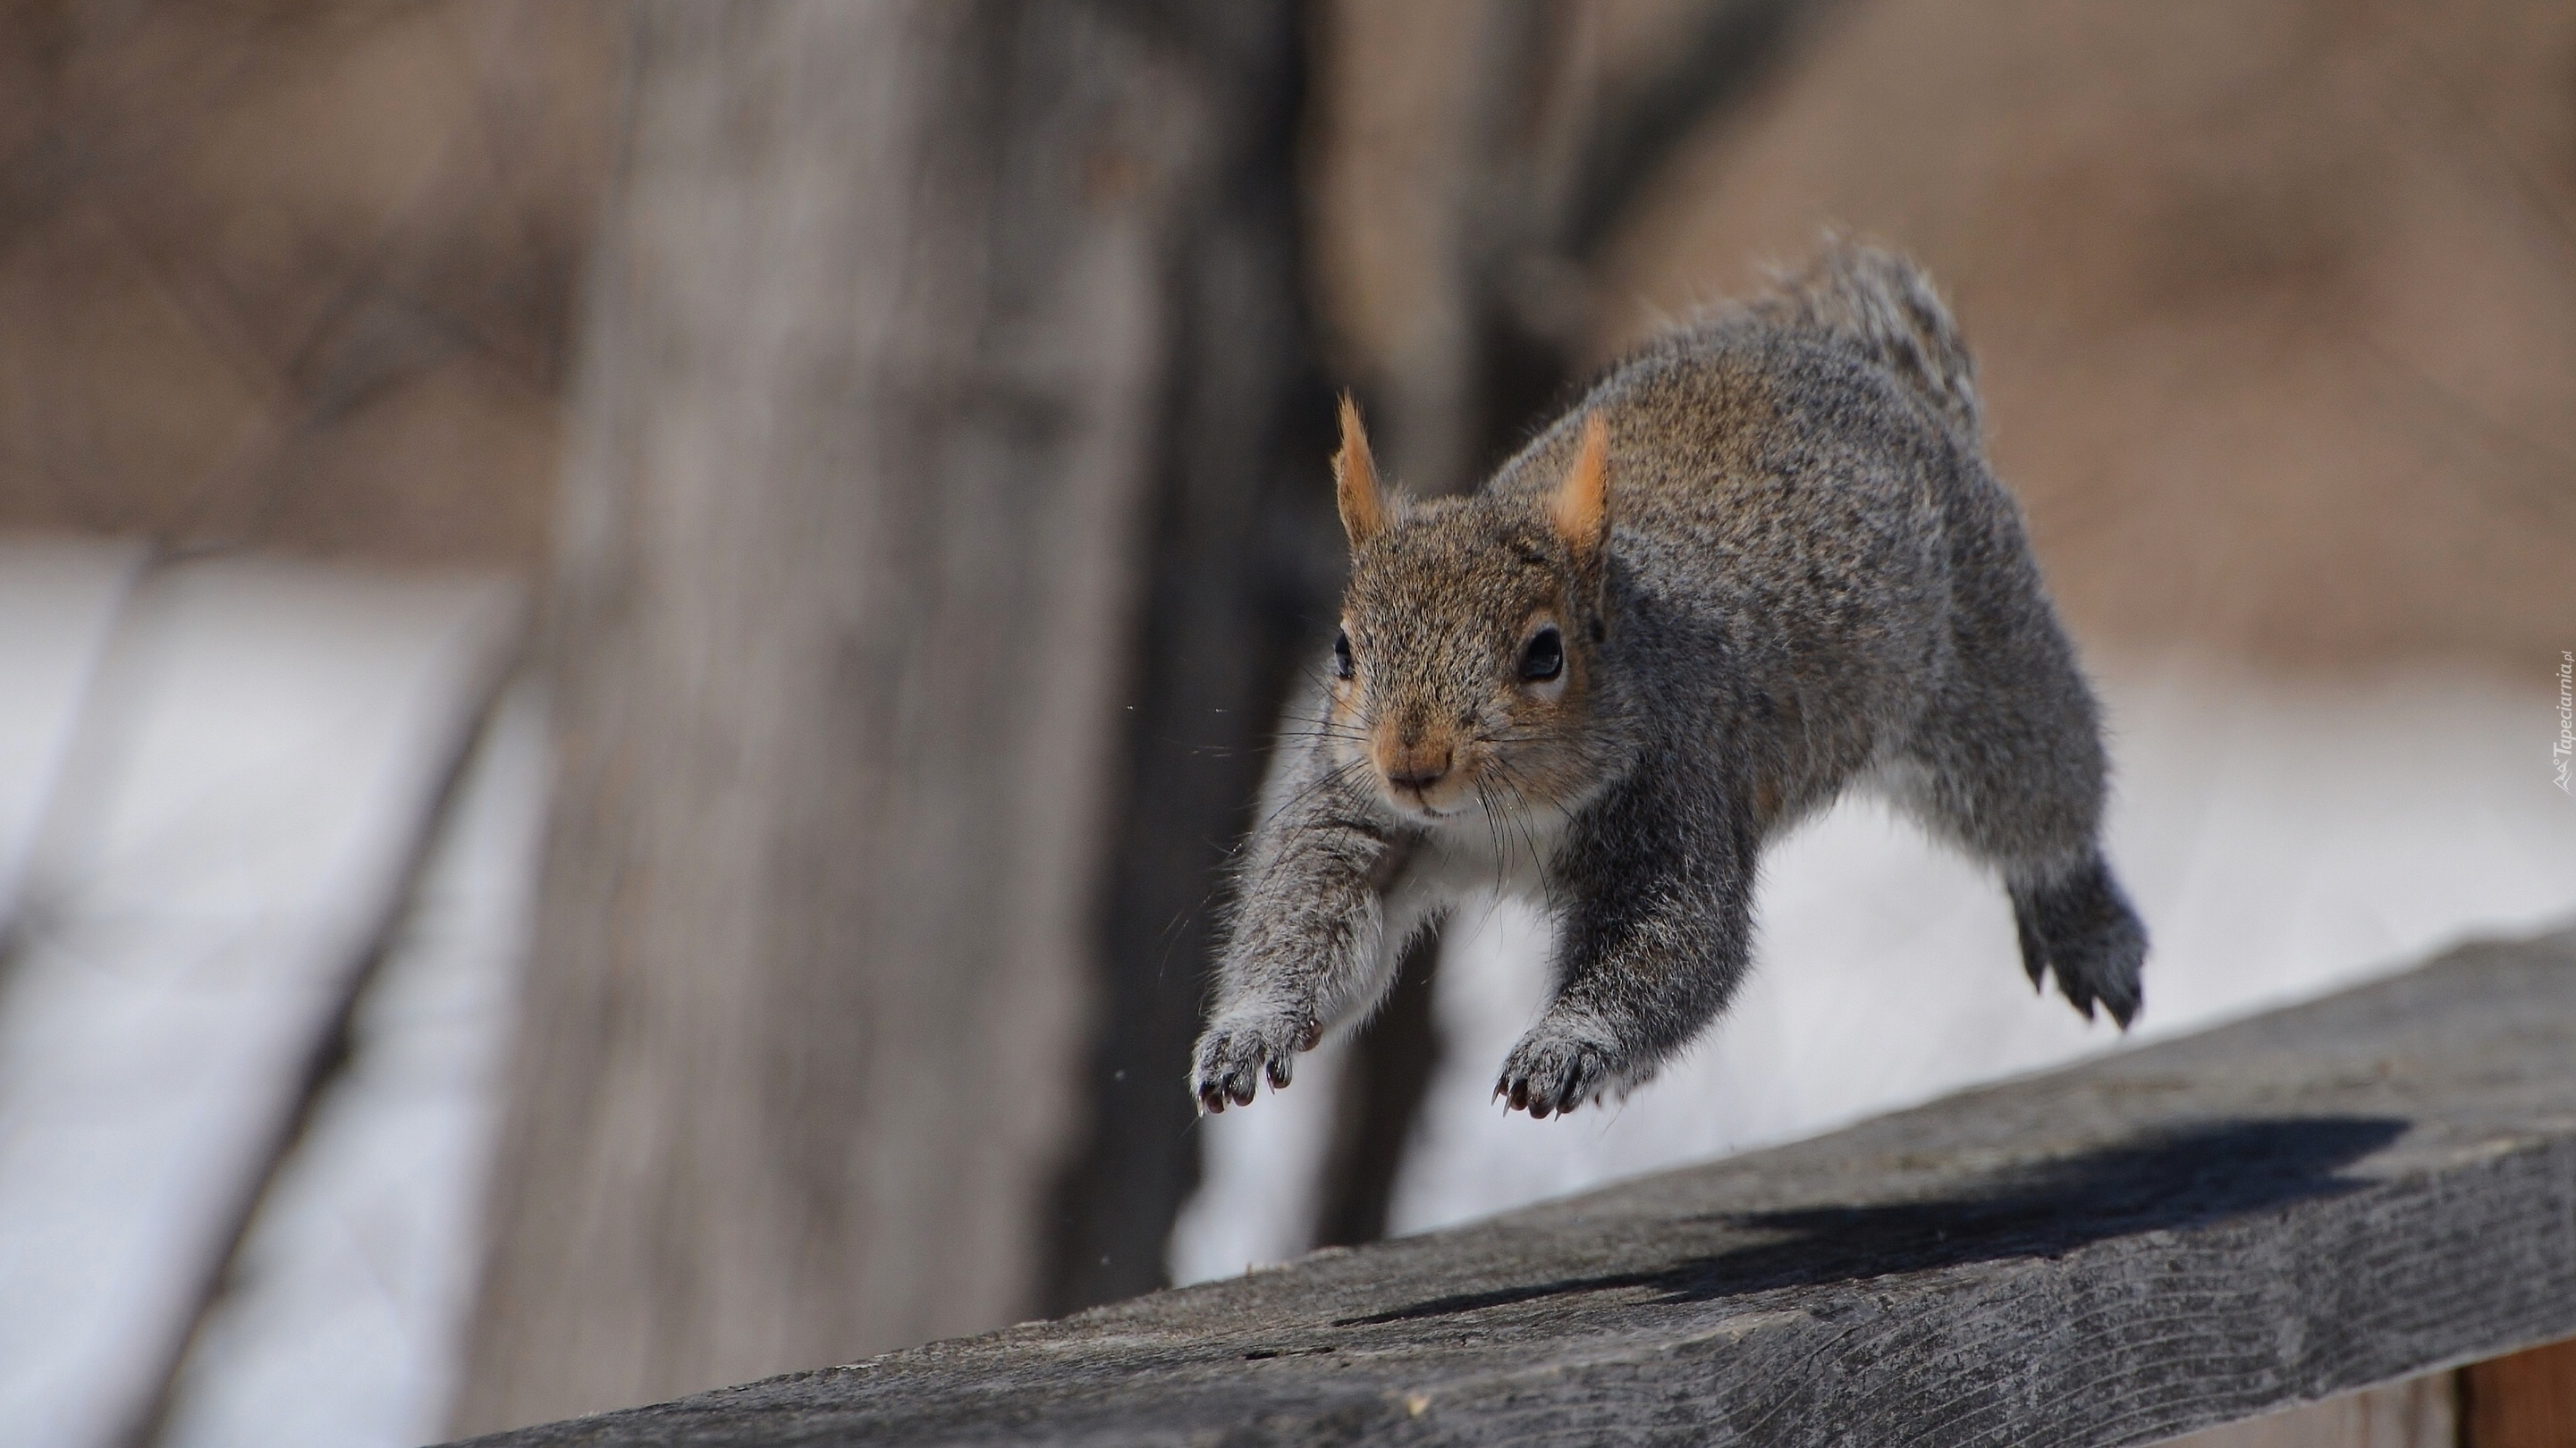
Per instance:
(1811,581)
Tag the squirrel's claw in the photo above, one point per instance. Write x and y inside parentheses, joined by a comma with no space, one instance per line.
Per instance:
(1550,1073)
(1234,1057)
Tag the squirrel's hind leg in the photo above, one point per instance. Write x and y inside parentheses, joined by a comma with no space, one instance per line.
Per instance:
(2007,763)
(2080,926)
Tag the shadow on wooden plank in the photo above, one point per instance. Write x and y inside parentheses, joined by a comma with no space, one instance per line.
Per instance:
(2166,1179)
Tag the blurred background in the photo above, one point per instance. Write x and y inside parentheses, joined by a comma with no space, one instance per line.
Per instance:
(632,634)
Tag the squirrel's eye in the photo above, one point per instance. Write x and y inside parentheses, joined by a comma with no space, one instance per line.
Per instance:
(1543,657)
(1342,655)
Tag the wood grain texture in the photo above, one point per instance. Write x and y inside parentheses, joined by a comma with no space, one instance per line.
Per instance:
(2372,1186)
(2417,1413)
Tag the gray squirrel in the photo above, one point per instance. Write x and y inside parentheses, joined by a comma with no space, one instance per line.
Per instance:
(1761,562)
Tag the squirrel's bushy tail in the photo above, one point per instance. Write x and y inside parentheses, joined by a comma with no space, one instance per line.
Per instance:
(1887,304)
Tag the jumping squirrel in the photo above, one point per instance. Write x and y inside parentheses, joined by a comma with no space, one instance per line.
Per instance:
(1763,561)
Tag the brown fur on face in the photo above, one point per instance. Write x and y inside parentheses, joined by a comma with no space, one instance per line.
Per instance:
(1445,600)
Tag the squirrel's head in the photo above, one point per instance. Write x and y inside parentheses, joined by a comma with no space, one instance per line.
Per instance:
(1467,673)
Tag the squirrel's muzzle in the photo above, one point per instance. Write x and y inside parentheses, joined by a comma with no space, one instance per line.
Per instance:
(1414,766)
(1418,768)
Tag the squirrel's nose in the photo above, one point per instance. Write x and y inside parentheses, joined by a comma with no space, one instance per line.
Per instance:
(1419,767)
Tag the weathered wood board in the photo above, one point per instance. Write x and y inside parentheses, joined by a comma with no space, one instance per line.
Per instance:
(2369,1186)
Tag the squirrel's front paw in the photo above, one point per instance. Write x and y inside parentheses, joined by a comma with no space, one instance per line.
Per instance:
(1237,1051)
(1553,1069)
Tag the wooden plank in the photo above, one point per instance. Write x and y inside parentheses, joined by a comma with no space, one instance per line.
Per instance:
(2375,1185)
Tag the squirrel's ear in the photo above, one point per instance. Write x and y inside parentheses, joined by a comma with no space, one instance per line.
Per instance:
(1582,511)
(1355,481)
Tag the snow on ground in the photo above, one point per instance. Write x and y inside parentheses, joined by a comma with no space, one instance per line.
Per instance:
(222,841)
(59,602)
(343,1323)
(2281,839)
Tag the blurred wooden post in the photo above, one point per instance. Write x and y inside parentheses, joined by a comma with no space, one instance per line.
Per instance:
(2525,1400)
(1240,584)
(870,395)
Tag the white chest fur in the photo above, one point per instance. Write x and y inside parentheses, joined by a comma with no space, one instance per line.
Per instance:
(1477,853)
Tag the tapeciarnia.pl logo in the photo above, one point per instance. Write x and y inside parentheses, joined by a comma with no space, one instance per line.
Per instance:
(2565,746)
